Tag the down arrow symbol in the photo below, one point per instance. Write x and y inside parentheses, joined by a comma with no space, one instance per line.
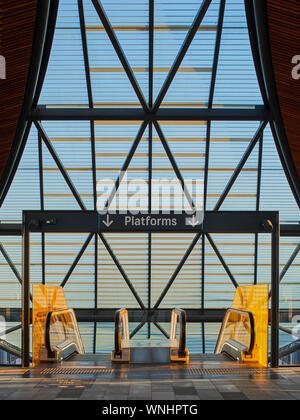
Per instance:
(108,222)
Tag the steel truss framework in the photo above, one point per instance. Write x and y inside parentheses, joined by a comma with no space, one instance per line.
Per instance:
(89,222)
(151,114)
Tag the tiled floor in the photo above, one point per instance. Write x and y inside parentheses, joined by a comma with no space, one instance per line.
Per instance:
(201,380)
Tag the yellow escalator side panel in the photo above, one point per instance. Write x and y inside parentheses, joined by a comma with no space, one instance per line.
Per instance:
(45,299)
(255,299)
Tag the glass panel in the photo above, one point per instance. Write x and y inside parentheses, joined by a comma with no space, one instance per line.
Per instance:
(45,299)
(236,326)
(63,330)
(247,323)
(255,299)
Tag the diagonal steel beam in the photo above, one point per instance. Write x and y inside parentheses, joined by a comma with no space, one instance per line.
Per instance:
(290,262)
(178,269)
(161,329)
(222,261)
(241,165)
(75,262)
(120,53)
(126,164)
(59,165)
(142,323)
(138,328)
(10,330)
(183,50)
(173,163)
(85,53)
(10,263)
(216,53)
(121,270)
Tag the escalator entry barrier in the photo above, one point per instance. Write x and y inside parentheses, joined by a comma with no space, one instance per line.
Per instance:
(171,349)
(244,332)
(55,335)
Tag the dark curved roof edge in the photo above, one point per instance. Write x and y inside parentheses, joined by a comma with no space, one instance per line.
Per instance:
(257,15)
(45,20)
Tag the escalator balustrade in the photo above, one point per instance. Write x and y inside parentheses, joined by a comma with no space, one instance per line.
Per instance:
(62,337)
(172,349)
(237,335)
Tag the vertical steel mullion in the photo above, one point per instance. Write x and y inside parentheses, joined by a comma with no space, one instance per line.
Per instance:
(151,51)
(203,247)
(96,292)
(149,281)
(94,167)
(150,149)
(93,153)
(203,288)
(258,191)
(207,148)
(203,259)
(26,297)
(150,136)
(275,296)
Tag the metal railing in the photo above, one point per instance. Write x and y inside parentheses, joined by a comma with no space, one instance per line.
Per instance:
(121,329)
(179,315)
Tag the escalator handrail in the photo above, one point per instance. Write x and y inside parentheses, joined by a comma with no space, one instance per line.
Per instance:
(50,352)
(179,315)
(252,328)
(121,318)
(11,349)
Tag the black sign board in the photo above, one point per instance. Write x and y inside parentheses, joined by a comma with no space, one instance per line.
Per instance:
(151,222)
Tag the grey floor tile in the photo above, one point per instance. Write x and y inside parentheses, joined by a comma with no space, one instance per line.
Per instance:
(280,396)
(91,395)
(49,395)
(211,395)
(227,388)
(163,396)
(204,385)
(22,395)
(234,396)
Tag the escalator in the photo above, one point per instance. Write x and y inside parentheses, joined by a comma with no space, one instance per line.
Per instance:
(171,349)
(235,342)
(9,354)
(62,339)
(242,338)
(289,355)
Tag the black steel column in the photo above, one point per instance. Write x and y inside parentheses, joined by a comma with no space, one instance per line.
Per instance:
(26,299)
(42,202)
(275,296)
(258,190)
